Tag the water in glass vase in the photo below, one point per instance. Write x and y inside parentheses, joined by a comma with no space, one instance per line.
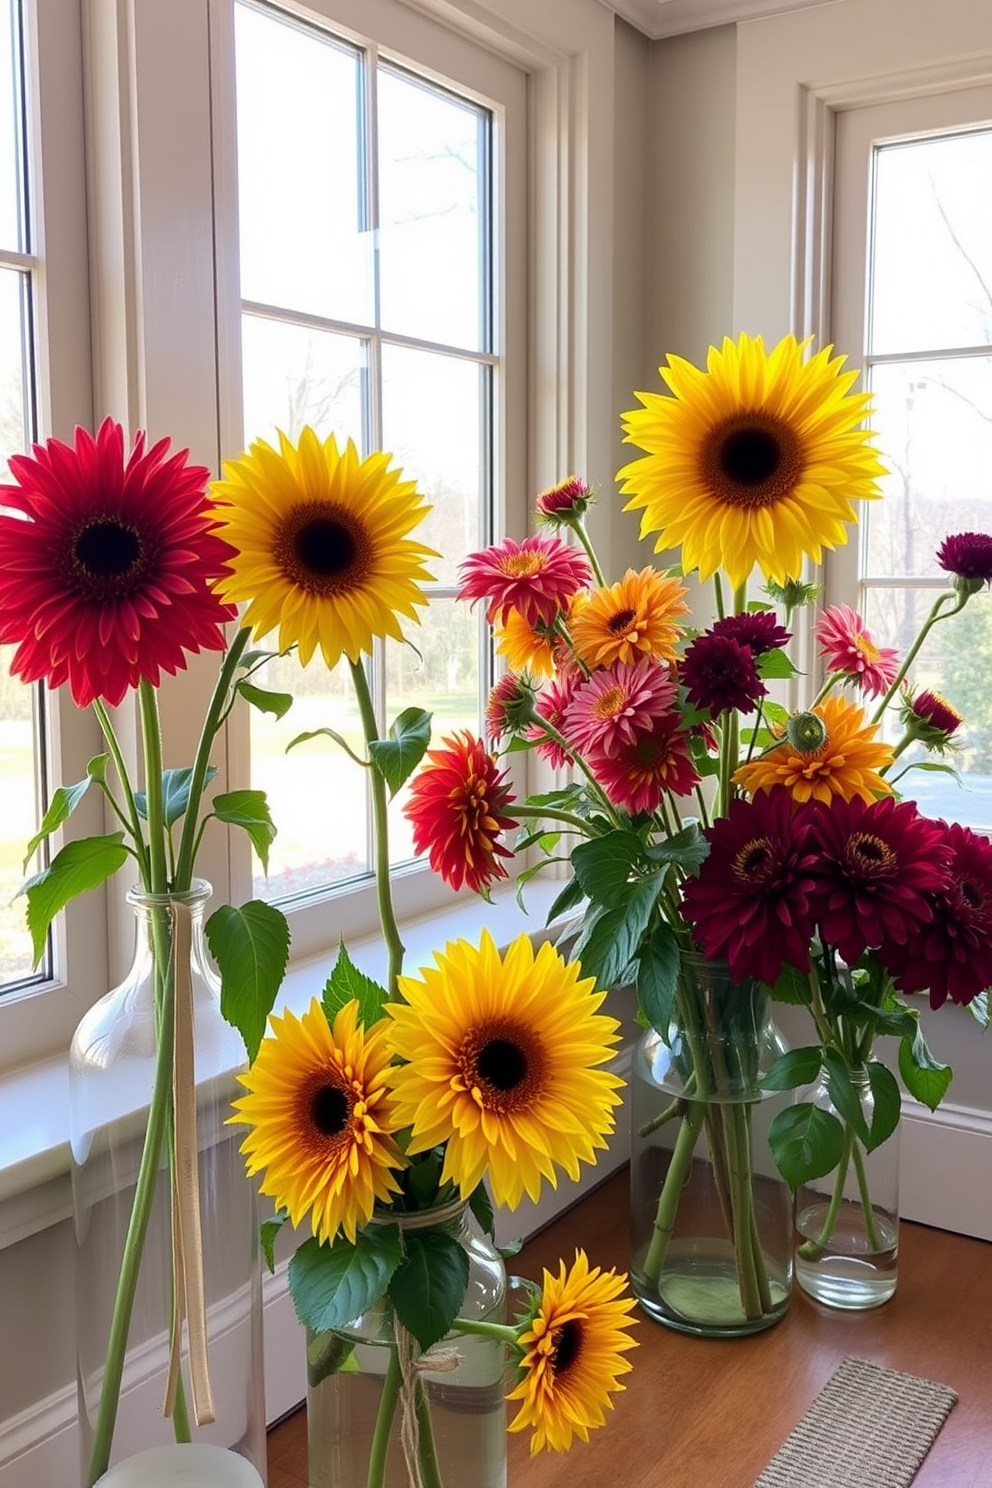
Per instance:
(846,1272)
(466,1409)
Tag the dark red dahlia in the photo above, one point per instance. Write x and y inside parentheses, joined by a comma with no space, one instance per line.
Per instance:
(967,555)
(108,581)
(719,674)
(876,864)
(951,955)
(750,904)
(758,629)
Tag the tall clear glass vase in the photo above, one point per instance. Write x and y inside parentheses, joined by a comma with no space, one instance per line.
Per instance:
(711,1217)
(127,1149)
(356,1418)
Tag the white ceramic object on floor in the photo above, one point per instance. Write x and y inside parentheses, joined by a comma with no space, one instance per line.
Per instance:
(186,1465)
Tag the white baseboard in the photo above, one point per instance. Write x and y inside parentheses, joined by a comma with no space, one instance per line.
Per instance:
(945,1168)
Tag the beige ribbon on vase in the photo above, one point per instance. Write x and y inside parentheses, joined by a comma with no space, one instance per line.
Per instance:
(188,1297)
(412,1364)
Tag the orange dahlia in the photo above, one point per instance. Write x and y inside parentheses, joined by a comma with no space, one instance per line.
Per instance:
(635,617)
(107,581)
(527,647)
(457,805)
(840,756)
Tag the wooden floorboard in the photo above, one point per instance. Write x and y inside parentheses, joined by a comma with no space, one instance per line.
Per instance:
(709,1413)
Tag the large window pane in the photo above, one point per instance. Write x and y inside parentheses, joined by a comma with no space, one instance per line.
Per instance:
(294,375)
(12,223)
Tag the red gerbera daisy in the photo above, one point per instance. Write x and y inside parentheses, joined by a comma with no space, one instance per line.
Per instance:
(751,901)
(537,577)
(618,703)
(875,865)
(850,651)
(457,805)
(107,582)
(552,705)
(719,674)
(639,772)
(951,955)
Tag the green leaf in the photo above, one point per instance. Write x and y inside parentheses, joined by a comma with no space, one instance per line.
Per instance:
(806,1142)
(609,940)
(267,1232)
(481,1206)
(347,982)
(63,803)
(603,866)
(278,703)
(923,1076)
(790,1071)
(329,733)
(249,810)
(422,1178)
(250,944)
(428,1286)
(175,793)
(397,757)
(525,875)
(510,1248)
(888,1102)
(978,1007)
(844,1095)
(329,1353)
(657,976)
(332,1284)
(571,896)
(792,986)
(97,768)
(75,868)
(775,665)
(688,849)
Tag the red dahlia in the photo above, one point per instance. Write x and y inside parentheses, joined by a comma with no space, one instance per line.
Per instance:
(637,772)
(750,904)
(457,805)
(758,629)
(719,674)
(875,866)
(951,955)
(537,577)
(107,582)
(968,556)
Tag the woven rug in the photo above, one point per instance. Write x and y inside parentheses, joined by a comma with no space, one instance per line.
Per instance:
(868,1426)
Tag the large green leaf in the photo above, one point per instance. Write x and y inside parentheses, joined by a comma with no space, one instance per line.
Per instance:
(75,868)
(806,1142)
(428,1286)
(346,983)
(332,1284)
(481,1206)
(844,1094)
(603,866)
(925,1077)
(397,757)
(249,810)
(250,944)
(657,976)
(792,986)
(793,1069)
(688,849)
(175,793)
(887,1103)
(63,803)
(278,703)
(609,940)
(571,896)
(775,664)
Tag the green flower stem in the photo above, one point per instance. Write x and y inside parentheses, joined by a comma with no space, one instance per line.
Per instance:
(550,813)
(502,1332)
(430,1468)
(737,1135)
(379,1450)
(812,1250)
(671,1190)
(677,1107)
(603,800)
(151,738)
(867,1211)
(937,612)
(581,532)
(132,819)
(380,819)
(212,721)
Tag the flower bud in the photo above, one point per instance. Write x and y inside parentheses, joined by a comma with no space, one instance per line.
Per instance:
(806,732)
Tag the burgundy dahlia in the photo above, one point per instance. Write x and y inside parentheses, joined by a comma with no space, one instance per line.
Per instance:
(750,904)
(758,629)
(951,954)
(968,556)
(719,674)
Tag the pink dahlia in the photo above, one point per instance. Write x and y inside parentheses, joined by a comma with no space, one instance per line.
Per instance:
(750,904)
(108,581)
(638,772)
(537,577)
(719,674)
(851,652)
(951,954)
(617,704)
(551,706)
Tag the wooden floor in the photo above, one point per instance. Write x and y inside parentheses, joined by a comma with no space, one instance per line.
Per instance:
(703,1413)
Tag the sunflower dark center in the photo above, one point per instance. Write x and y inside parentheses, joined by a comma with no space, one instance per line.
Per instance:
(568,1345)
(323,548)
(621,620)
(106,550)
(329,1110)
(751,459)
(502,1063)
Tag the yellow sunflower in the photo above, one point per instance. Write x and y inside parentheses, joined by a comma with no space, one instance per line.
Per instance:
(573,1357)
(525,646)
(843,758)
(321,1116)
(500,1056)
(754,461)
(628,620)
(322,545)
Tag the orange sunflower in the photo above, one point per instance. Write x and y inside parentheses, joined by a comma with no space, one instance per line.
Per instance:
(633,618)
(832,752)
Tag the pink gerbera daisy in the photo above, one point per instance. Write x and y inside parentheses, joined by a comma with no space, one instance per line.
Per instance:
(552,705)
(639,772)
(851,652)
(537,577)
(617,704)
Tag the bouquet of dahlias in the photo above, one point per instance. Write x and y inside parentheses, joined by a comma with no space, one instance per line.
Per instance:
(698,815)
(384,1114)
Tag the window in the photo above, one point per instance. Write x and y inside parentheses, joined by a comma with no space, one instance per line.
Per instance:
(927,339)
(369,279)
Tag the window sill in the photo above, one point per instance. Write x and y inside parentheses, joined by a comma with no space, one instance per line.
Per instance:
(34,1101)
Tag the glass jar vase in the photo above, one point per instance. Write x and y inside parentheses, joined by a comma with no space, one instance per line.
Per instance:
(124,1093)
(847,1222)
(355,1411)
(711,1216)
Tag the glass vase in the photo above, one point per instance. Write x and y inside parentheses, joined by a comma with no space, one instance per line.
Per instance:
(355,1421)
(711,1217)
(125,1153)
(847,1222)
